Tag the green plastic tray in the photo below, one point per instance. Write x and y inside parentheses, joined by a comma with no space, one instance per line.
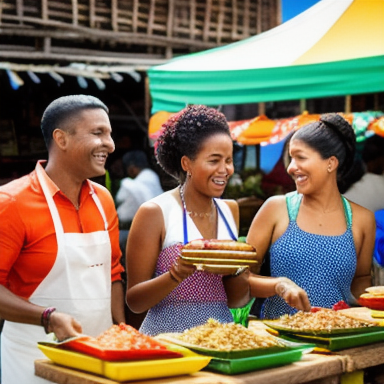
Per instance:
(238,354)
(254,363)
(337,343)
(276,325)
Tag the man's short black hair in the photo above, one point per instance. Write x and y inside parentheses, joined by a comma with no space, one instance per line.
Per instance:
(63,109)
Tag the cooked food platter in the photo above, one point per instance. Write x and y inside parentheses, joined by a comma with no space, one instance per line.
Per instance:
(122,353)
(235,349)
(128,370)
(323,322)
(219,256)
(226,341)
(121,342)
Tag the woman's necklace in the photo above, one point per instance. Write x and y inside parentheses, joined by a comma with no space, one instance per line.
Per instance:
(193,213)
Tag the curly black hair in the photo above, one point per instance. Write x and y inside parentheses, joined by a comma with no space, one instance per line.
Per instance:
(183,135)
(332,135)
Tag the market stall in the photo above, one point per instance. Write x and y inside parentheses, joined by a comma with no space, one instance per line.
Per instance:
(335,48)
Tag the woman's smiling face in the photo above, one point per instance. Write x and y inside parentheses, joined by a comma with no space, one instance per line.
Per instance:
(306,167)
(213,165)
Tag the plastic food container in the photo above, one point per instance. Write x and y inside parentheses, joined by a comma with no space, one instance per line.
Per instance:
(128,370)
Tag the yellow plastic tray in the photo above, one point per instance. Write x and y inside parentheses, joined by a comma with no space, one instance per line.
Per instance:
(127,371)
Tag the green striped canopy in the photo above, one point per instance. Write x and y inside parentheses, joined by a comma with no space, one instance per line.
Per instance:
(334,48)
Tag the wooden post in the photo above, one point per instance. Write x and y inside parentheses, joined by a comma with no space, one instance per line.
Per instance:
(47,45)
(147,100)
(259,17)
(135,16)
(279,16)
(376,102)
(261,109)
(303,105)
(75,13)
(170,17)
(44,10)
(92,12)
(114,15)
(348,104)
(207,20)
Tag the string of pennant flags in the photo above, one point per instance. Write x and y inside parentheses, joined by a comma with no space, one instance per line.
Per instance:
(83,73)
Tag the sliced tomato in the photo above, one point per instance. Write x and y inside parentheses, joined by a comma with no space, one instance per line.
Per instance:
(340,305)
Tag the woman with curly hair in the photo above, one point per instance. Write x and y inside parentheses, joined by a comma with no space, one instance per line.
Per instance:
(314,236)
(196,149)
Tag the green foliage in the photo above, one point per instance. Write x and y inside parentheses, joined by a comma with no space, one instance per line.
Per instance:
(251,186)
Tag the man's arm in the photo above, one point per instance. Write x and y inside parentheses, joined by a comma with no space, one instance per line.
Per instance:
(117,302)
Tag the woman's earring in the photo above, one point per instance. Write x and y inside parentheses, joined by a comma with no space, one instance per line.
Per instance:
(189,174)
(329,169)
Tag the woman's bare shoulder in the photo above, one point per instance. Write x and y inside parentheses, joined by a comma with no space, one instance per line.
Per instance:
(362,215)
(149,213)
(276,202)
(271,211)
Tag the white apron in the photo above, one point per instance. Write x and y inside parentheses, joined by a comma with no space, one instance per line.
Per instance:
(79,284)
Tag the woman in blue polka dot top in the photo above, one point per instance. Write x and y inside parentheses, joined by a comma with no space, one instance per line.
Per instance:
(314,236)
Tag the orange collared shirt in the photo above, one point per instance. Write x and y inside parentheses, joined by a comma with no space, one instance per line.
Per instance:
(28,245)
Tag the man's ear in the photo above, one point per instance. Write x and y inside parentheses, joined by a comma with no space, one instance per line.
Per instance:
(60,138)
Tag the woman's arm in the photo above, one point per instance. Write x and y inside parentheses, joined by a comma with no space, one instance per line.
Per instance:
(237,289)
(364,232)
(262,286)
(143,248)
(270,222)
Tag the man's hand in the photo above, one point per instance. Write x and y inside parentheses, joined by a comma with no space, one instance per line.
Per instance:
(64,326)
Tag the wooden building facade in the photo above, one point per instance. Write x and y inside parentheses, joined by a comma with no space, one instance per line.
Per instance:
(52,48)
(127,31)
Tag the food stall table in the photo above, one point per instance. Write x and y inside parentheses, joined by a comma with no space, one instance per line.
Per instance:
(311,367)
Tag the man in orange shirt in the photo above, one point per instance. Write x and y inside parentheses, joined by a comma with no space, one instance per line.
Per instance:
(60,265)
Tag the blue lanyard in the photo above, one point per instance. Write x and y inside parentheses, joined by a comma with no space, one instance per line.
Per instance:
(185,229)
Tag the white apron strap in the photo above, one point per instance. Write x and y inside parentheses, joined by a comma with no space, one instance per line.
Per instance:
(100,207)
(52,207)
(55,213)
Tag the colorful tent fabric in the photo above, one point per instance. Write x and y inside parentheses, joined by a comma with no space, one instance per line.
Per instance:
(334,48)
(264,131)
(270,134)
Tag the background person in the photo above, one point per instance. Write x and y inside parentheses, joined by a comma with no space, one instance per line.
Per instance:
(196,148)
(314,236)
(365,183)
(141,185)
(59,264)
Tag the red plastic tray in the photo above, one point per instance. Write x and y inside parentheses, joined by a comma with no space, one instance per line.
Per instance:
(93,349)
(372,302)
